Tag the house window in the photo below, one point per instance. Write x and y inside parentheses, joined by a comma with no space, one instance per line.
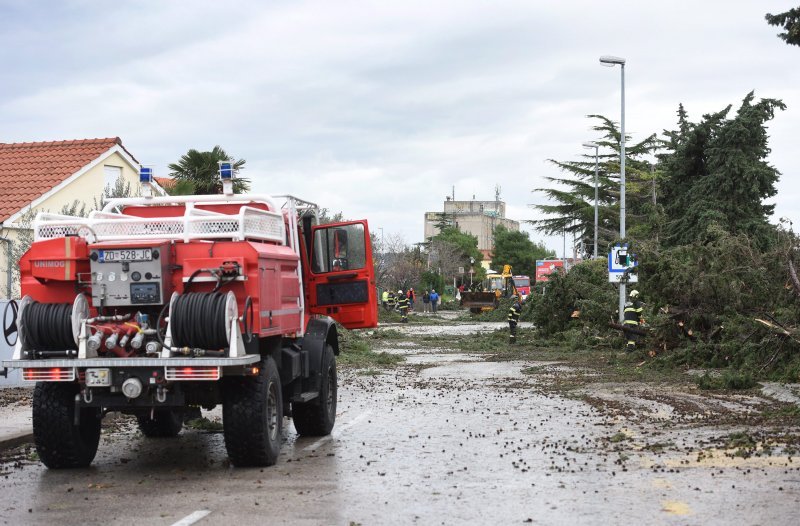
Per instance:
(110,176)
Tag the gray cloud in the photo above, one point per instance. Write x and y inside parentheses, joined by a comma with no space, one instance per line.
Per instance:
(378,109)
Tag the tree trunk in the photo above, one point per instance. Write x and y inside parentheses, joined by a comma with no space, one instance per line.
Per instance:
(793,275)
(634,330)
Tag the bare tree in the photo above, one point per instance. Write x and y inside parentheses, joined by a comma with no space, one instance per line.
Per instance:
(401,265)
(446,258)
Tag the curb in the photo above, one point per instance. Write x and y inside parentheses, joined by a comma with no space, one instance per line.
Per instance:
(19,438)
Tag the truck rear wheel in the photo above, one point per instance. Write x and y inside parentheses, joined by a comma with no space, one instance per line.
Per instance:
(166,423)
(252,417)
(317,417)
(59,442)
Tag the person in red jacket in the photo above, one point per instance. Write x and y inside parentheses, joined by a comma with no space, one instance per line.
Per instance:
(411,297)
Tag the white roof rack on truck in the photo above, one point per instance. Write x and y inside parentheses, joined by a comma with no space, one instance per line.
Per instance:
(195,223)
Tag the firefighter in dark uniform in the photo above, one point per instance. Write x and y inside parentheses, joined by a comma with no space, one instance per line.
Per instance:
(392,301)
(632,318)
(402,305)
(513,318)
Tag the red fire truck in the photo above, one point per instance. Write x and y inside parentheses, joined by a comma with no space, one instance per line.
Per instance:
(158,306)
(522,284)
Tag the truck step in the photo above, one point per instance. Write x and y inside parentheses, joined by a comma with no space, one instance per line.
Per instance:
(305,397)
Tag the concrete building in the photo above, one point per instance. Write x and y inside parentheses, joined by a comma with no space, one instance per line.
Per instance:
(478,218)
(45,176)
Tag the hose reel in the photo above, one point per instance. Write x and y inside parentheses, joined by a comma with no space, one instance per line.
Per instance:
(201,320)
(51,326)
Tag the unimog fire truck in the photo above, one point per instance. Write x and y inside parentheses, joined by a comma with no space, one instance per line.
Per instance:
(159,306)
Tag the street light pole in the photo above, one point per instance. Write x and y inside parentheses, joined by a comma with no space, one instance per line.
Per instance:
(596,170)
(611,62)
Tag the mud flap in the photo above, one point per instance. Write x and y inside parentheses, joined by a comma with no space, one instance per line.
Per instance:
(320,332)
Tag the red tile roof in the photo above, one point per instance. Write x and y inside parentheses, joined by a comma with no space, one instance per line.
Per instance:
(165,182)
(28,170)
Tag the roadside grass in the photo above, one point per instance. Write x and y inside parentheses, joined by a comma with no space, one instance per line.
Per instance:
(604,363)
(729,380)
(357,353)
(579,347)
(787,412)
(740,440)
(384,334)
(418,318)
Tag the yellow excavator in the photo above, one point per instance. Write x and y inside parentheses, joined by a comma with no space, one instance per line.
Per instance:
(496,286)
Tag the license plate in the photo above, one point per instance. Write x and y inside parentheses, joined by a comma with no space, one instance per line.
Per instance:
(129,254)
(98,377)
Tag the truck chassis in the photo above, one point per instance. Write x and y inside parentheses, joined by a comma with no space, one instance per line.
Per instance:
(159,306)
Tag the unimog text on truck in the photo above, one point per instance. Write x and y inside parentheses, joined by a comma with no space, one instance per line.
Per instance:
(157,306)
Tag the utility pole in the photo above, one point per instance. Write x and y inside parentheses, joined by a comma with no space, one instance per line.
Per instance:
(596,170)
(611,62)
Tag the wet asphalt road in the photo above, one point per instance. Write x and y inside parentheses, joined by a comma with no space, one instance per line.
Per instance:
(444,439)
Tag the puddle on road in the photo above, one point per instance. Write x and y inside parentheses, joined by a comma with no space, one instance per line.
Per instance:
(423,359)
(550,369)
(460,329)
(475,370)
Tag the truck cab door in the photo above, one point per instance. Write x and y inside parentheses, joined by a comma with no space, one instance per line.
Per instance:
(341,278)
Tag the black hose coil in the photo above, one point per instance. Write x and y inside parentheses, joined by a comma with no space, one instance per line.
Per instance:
(197,320)
(48,326)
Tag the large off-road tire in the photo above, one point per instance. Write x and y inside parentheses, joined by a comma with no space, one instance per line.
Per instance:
(166,423)
(317,417)
(252,417)
(59,442)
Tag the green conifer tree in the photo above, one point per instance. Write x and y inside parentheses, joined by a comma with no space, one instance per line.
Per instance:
(716,174)
(572,197)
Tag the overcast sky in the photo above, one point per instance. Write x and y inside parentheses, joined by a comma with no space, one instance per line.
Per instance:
(378,109)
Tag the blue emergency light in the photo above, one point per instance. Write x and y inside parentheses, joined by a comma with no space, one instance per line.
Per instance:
(145,174)
(225,171)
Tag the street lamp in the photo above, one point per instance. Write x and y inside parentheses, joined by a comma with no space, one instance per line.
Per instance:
(471,269)
(610,62)
(596,169)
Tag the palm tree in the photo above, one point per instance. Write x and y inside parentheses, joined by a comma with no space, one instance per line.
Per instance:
(201,169)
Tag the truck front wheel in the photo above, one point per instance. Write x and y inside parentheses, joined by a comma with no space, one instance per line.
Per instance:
(59,442)
(252,417)
(316,418)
